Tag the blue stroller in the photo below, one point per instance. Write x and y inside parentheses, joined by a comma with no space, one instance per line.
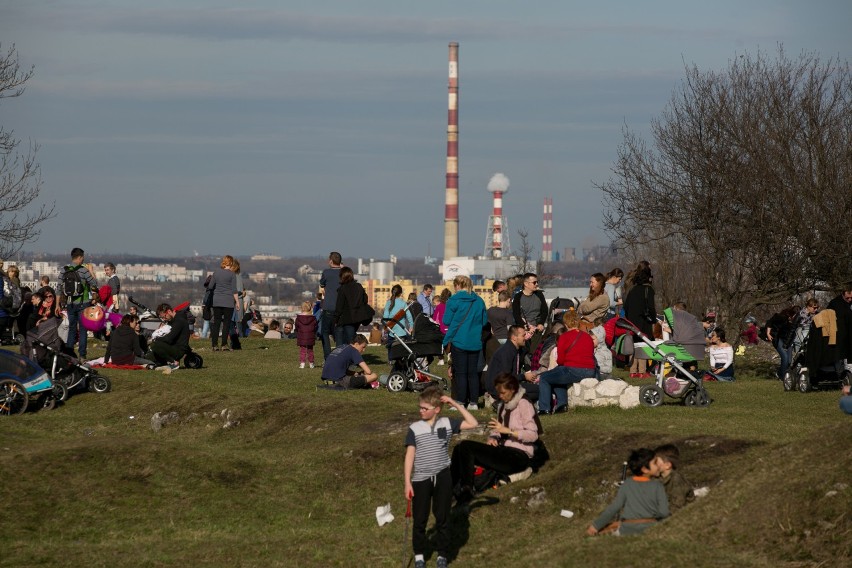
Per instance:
(22,382)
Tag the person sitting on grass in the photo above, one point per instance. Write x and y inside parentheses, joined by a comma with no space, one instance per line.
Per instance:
(274,331)
(640,502)
(721,356)
(678,490)
(510,446)
(428,481)
(124,347)
(168,350)
(337,366)
(846,400)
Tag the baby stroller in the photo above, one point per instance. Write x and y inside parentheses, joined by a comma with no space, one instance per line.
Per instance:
(409,358)
(814,363)
(150,322)
(44,346)
(23,382)
(679,383)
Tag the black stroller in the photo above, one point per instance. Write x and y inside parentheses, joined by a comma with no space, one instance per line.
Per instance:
(43,346)
(410,358)
(815,363)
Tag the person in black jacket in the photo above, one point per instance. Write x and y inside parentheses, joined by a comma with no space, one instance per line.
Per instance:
(351,308)
(169,349)
(842,306)
(530,310)
(639,308)
(124,347)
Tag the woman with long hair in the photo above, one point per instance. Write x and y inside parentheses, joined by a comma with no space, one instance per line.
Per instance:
(125,346)
(225,301)
(465,317)
(615,291)
(575,357)
(352,305)
(404,322)
(596,303)
(510,445)
(640,309)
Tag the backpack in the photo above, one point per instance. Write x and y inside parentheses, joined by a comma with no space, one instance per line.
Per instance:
(12,297)
(72,284)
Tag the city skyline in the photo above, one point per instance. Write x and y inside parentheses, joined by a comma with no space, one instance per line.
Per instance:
(322,126)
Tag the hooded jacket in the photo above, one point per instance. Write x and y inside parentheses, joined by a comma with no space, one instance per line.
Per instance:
(465,316)
(123,346)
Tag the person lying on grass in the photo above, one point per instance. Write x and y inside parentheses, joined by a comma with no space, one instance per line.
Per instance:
(428,481)
(640,502)
(338,362)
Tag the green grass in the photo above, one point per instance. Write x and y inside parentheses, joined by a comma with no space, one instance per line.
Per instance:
(297,479)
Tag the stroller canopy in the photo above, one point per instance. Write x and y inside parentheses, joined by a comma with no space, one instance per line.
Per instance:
(18,367)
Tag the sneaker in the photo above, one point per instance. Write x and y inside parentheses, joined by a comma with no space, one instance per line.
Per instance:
(419,564)
(301,365)
(472,406)
(174,366)
(441,562)
(521,475)
(311,365)
(162,368)
(375,385)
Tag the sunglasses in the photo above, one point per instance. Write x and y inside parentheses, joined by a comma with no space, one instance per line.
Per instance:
(426,408)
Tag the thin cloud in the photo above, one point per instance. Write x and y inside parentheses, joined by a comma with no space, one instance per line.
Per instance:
(283,26)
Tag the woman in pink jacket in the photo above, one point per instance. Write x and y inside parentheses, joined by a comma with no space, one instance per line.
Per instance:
(510,445)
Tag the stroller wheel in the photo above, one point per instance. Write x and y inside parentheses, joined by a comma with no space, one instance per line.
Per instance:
(13,398)
(397,382)
(804,381)
(99,384)
(651,396)
(60,392)
(697,398)
(789,381)
(47,402)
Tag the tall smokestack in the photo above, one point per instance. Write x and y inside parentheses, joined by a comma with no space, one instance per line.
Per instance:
(547,231)
(494,243)
(451,197)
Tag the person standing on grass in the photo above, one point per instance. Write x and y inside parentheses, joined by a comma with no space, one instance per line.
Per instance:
(428,480)
(306,335)
(465,316)
(225,301)
(329,283)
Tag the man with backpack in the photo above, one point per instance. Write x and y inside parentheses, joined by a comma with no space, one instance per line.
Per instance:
(77,290)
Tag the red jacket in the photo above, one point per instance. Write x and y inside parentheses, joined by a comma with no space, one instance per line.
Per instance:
(306,330)
(580,355)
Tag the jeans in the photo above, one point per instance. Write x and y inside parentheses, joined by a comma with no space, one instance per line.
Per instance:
(784,353)
(221,320)
(501,459)
(327,331)
(557,381)
(437,491)
(465,375)
(846,404)
(205,329)
(75,329)
(347,333)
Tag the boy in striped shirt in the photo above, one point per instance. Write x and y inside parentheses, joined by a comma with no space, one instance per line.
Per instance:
(428,482)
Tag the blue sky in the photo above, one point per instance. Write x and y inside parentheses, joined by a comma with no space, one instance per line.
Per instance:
(298,127)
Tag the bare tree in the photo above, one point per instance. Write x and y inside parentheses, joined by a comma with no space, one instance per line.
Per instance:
(746,182)
(20,177)
(524,262)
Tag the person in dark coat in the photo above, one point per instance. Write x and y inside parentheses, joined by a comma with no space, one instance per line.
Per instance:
(169,349)
(124,347)
(639,308)
(842,306)
(351,309)
(306,334)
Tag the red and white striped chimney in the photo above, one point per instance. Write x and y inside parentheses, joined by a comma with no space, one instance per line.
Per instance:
(451,196)
(494,241)
(547,231)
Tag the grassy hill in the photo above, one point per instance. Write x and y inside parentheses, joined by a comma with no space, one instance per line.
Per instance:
(258,468)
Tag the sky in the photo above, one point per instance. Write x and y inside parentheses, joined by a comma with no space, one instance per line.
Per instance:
(300,127)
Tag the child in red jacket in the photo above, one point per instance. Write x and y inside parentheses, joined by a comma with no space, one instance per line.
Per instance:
(306,334)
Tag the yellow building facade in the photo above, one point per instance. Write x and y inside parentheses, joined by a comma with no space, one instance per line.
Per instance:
(379,293)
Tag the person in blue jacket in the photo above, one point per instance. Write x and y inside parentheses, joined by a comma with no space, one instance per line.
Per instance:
(465,316)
